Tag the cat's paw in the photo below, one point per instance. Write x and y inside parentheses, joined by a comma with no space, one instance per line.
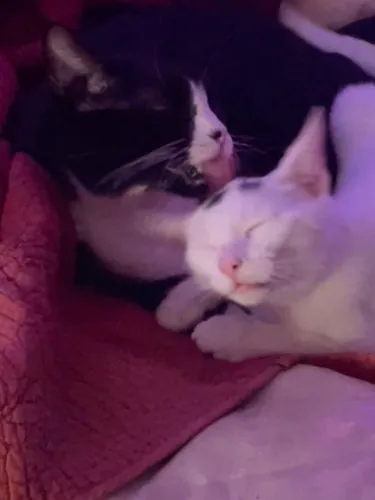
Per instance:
(185,305)
(223,338)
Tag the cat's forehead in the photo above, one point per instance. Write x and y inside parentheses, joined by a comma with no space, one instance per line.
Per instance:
(136,84)
(132,72)
(241,197)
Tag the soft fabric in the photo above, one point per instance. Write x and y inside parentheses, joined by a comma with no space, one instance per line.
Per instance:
(92,392)
(309,435)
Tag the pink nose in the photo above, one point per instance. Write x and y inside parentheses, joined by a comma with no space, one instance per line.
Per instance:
(229,266)
(217,135)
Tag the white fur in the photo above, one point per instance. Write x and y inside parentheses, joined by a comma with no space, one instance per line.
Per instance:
(334,13)
(315,251)
(185,305)
(359,51)
(123,232)
(204,148)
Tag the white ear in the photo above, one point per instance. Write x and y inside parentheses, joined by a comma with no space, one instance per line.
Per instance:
(304,164)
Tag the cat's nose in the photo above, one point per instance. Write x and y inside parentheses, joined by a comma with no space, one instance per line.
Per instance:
(217,135)
(229,266)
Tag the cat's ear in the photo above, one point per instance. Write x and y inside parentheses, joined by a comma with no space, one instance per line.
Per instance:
(72,70)
(304,164)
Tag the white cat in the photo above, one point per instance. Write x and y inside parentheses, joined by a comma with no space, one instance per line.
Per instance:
(334,13)
(303,260)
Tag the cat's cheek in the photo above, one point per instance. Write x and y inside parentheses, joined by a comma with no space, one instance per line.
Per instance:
(202,266)
(223,283)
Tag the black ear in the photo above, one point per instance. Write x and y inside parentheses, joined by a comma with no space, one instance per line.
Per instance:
(73,71)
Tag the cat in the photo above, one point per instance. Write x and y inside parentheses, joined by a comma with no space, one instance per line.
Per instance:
(167,115)
(197,138)
(119,135)
(300,257)
(114,125)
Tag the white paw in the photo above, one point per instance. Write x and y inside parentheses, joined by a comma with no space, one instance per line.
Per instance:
(222,337)
(185,305)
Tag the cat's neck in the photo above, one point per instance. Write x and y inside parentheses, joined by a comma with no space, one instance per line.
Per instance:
(345,240)
(335,247)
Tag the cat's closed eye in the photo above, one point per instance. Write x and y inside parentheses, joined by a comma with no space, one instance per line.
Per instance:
(252,228)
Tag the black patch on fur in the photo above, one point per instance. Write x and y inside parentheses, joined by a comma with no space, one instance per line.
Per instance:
(249,184)
(215,199)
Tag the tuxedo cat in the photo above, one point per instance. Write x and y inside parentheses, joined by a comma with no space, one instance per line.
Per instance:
(168,116)
(301,258)
(143,121)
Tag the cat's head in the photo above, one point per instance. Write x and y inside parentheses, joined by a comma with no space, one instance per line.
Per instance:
(125,121)
(260,239)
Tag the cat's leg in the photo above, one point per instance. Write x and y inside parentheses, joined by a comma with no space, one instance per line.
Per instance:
(359,51)
(236,336)
(185,305)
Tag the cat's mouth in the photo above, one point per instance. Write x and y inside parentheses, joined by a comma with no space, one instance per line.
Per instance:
(200,182)
(251,287)
(219,171)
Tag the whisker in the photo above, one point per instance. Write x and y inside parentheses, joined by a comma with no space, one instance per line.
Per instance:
(247,148)
(179,153)
(142,163)
(242,150)
(242,143)
(243,146)
(177,167)
(242,137)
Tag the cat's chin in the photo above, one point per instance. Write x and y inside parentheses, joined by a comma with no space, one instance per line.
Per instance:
(249,299)
(219,171)
(266,296)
